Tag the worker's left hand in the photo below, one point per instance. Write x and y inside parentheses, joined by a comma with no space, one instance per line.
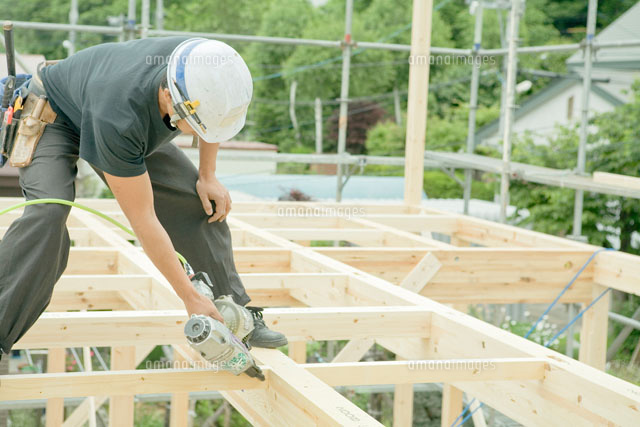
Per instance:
(210,189)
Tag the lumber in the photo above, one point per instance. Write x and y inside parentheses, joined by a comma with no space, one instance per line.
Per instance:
(55,406)
(126,383)
(402,404)
(417,102)
(428,371)
(593,332)
(124,328)
(346,291)
(451,405)
(121,403)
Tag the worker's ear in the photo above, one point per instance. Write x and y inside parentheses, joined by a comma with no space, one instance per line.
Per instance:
(166,94)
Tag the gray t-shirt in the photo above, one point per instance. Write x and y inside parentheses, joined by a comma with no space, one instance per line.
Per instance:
(109,94)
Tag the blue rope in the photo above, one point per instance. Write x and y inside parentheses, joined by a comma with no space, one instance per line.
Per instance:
(566,288)
(555,337)
(463,412)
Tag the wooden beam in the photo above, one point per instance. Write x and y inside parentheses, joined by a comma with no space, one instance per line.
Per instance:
(451,405)
(300,398)
(473,275)
(80,414)
(403,404)
(616,179)
(428,371)
(130,382)
(298,351)
(395,237)
(179,411)
(417,102)
(56,363)
(122,328)
(439,223)
(121,403)
(618,270)
(594,330)
(92,261)
(354,350)
(422,273)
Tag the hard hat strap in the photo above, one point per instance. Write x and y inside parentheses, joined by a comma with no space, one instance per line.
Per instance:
(186,108)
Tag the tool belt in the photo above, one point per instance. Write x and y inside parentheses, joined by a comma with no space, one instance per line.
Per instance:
(19,146)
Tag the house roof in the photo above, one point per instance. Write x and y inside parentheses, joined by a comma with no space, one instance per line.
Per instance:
(543,95)
(624,28)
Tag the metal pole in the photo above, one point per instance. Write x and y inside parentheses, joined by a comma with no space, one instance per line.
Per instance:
(73,20)
(396,106)
(473,103)
(503,80)
(160,14)
(318,111)
(510,109)
(344,95)
(292,111)
(51,26)
(569,347)
(584,119)
(146,17)
(131,20)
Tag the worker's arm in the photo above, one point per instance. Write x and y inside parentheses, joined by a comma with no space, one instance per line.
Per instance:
(135,196)
(208,186)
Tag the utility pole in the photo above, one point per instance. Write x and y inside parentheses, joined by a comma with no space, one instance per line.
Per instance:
(417,101)
(510,107)
(344,96)
(584,119)
(473,102)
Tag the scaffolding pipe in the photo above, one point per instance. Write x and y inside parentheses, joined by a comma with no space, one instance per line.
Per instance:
(108,30)
(131,20)
(514,21)
(145,19)
(344,96)
(48,26)
(245,38)
(160,14)
(584,119)
(473,104)
(73,20)
(624,320)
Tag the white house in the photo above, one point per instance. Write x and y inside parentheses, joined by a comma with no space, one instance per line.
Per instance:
(560,102)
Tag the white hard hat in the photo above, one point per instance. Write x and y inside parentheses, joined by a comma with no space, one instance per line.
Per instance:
(211,88)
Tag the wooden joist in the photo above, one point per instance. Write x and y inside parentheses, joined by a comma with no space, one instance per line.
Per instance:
(121,328)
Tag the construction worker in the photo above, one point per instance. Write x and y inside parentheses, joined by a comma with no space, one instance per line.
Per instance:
(118,106)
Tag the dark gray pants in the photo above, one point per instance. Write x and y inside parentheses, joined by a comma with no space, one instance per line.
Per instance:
(35,249)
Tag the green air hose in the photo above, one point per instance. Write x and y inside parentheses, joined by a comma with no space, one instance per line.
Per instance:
(84,208)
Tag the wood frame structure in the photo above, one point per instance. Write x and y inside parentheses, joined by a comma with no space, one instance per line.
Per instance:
(390,288)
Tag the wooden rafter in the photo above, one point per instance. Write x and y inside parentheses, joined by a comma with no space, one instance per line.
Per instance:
(342,293)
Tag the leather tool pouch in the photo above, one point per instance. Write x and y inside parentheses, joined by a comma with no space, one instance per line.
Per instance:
(36,115)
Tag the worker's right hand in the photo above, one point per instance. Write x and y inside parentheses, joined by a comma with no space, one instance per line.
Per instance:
(199,304)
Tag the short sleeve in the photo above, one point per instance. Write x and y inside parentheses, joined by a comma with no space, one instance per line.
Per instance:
(116,152)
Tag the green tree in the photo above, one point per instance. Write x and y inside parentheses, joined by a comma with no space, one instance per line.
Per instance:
(613,148)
